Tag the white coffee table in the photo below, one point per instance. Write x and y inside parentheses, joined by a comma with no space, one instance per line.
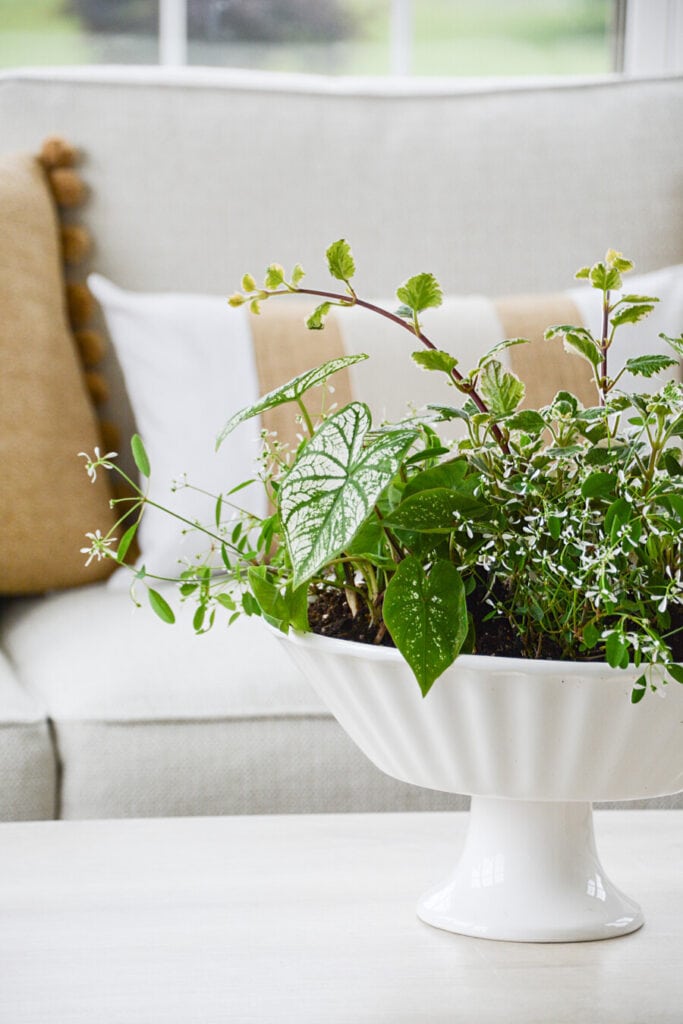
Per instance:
(310,919)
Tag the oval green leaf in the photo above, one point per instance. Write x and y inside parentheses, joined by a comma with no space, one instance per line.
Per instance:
(161,606)
(140,455)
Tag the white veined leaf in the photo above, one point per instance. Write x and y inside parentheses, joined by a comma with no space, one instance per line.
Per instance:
(333,486)
(288,392)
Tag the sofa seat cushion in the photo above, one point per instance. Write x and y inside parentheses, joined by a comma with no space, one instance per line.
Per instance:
(90,654)
(151,720)
(28,769)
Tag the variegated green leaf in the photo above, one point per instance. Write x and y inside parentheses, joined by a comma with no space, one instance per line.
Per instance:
(333,486)
(500,347)
(501,390)
(289,392)
(648,366)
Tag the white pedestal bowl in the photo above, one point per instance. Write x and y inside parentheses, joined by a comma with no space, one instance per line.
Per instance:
(534,742)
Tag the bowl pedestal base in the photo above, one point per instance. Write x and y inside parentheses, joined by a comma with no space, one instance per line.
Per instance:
(530,872)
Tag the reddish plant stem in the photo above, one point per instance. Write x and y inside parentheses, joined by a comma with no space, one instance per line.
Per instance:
(349,300)
(603,347)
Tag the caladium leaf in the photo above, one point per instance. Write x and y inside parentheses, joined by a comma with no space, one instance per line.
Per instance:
(427,617)
(333,486)
(289,392)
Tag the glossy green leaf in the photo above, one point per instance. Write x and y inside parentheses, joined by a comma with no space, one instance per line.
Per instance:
(616,651)
(333,486)
(280,608)
(125,542)
(427,617)
(638,691)
(161,606)
(140,455)
(501,389)
(430,511)
(599,485)
(449,474)
(289,392)
(676,672)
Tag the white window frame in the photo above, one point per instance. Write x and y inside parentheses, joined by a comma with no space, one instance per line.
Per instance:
(652,42)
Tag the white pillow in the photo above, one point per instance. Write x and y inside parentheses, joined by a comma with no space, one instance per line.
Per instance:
(188,365)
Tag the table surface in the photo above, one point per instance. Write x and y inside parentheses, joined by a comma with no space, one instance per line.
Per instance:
(310,919)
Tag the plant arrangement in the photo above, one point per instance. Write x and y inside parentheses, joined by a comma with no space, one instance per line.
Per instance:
(540,533)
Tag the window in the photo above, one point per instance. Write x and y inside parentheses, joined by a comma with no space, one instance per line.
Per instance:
(358,37)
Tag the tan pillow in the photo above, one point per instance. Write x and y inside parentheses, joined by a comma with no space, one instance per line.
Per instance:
(46,417)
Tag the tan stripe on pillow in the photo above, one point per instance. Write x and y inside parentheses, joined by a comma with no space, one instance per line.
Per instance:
(283,348)
(544,366)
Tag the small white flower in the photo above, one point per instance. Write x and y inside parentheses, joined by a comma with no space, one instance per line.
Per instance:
(92,463)
(99,547)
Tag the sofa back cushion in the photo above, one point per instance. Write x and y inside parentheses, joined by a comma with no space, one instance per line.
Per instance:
(46,417)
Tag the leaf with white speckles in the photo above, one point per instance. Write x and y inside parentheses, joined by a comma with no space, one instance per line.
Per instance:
(427,617)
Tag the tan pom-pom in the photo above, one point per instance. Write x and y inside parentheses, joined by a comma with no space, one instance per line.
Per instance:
(97,386)
(79,303)
(92,346)
(68,187)
(56,152)
(76,243)
(111,436)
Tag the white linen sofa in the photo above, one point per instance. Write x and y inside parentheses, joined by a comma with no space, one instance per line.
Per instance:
(498,188)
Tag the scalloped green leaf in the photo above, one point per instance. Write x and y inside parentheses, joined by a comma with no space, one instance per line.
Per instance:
(648,366)
(500,347)
(632,313)
(527,420)
(289,392)
(316,321)
(333,486)
(435,359)
(427,617)
(420,292)
(501,389)
(340,260)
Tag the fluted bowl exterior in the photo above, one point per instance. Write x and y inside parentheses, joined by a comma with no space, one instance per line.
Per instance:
(502,727)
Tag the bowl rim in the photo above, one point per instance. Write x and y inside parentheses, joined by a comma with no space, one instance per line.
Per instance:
(491,664)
